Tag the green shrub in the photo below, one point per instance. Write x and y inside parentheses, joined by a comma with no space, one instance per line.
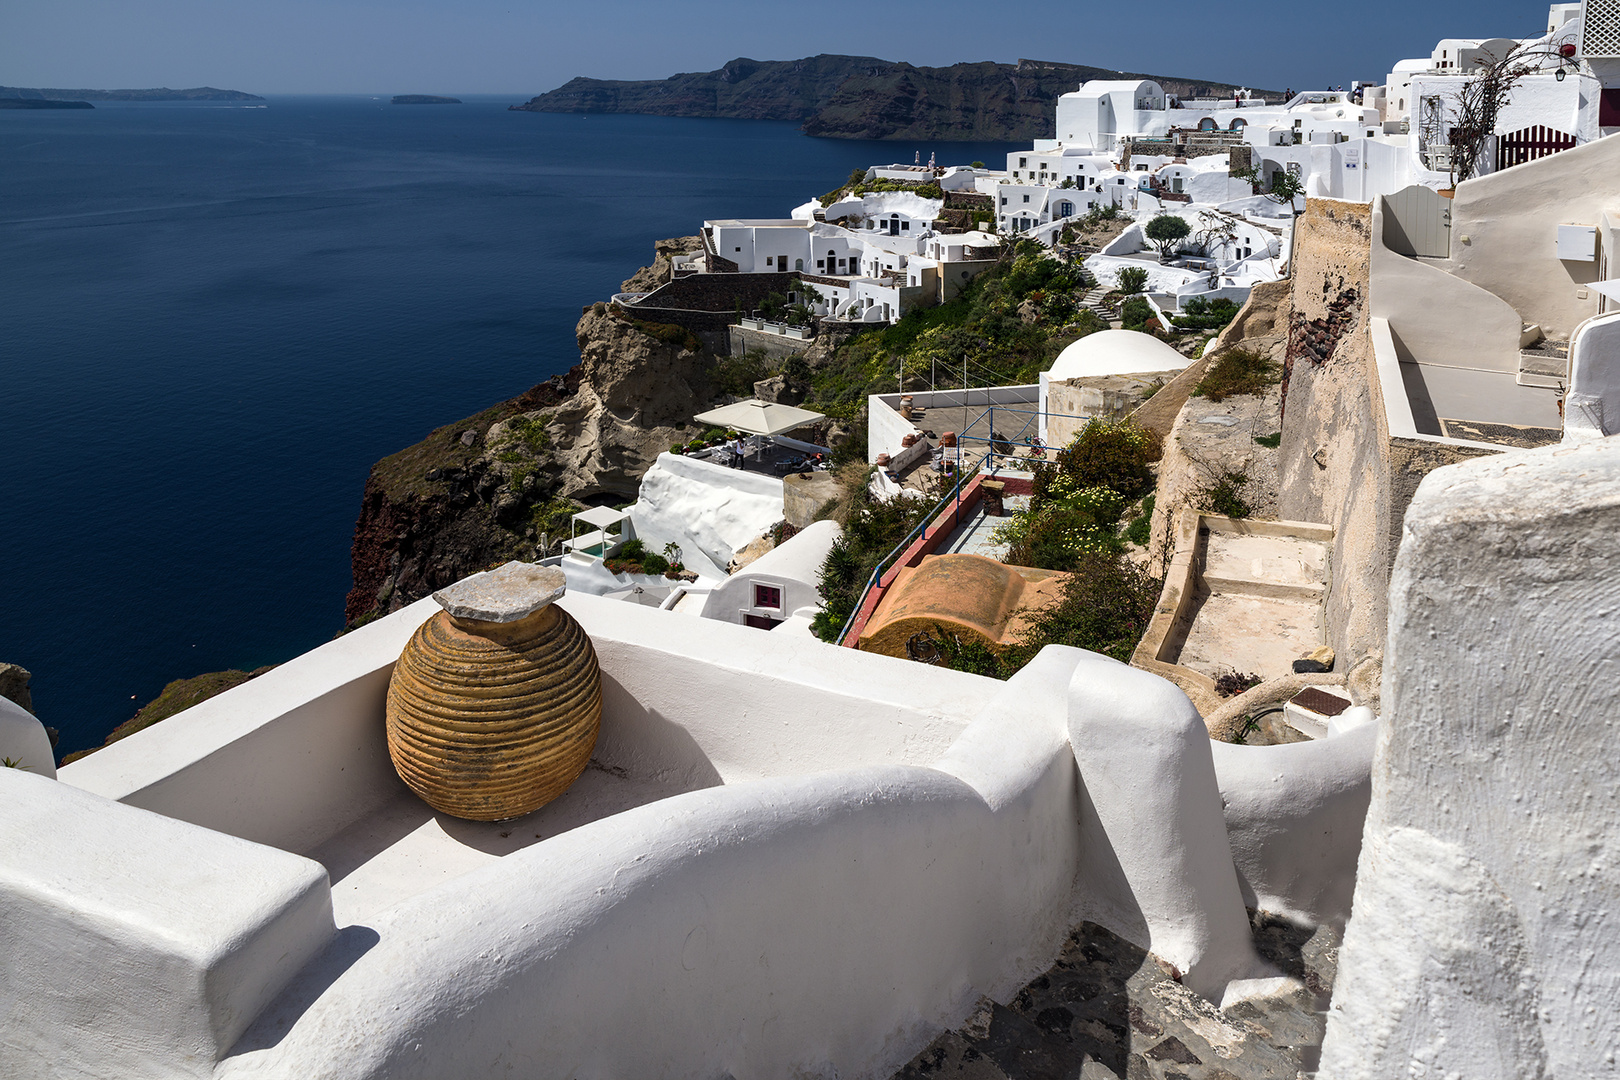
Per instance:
(1237,371)
(1139,531)
(669,334)
(1225,495)
(1078,499)
(1061,535)
(532,431)
(554,518)
(736,375)
(1201,314)
(1115,454)
(872,529)
(1270,442)
(1132,279)
(1137,314)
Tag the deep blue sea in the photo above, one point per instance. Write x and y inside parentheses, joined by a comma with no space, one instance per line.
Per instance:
(214,318)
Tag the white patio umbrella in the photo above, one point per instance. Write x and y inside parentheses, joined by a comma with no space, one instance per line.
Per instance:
(1609,288)
(758,417)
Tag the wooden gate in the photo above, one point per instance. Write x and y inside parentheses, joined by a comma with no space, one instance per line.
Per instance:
(1418,222)
(1528,144)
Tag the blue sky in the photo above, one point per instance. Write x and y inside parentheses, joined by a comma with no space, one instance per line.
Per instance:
(524,47)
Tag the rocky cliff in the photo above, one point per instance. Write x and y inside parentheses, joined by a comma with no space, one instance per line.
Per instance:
(860,97)
(500,484)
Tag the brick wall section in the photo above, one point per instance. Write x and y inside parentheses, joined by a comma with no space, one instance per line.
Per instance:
(707,303)
(712,262)
(715,292)
(965,200)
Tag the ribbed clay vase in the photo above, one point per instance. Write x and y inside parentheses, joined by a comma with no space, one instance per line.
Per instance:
(495,703)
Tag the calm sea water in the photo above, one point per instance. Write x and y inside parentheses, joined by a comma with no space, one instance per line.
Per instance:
(213,319)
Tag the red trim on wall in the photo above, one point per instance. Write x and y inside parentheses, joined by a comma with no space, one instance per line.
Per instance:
(1609,108)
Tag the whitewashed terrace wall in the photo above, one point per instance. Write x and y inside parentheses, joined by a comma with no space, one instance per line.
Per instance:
(297,754)
(770,928)
(793,567)
(1484,941)
(871,865)
(1511,219)
(711,511)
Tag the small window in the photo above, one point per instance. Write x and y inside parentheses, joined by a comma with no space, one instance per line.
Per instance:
(768,596)
(1026,198)
(905,226)
(1023,162)
(770,261)
(821,264)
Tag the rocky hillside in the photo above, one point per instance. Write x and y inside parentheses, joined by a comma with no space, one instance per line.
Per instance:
(860,97)
(742,90)
(494,486)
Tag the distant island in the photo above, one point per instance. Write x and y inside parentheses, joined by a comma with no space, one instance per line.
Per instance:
(37,103)
(161,93)
(862,97)
(424,99)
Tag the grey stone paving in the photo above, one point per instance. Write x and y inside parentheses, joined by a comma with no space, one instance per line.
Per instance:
(1108,1009)
(972,537)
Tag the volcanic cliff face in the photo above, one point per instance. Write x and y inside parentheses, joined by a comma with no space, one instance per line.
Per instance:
(500,485)
(861,97)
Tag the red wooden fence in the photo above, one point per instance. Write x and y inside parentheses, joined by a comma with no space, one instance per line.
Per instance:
(1528,144)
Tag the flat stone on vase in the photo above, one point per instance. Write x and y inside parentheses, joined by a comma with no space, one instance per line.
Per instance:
(503,595)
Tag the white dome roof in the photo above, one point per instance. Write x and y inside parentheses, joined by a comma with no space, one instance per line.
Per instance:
(1115,352)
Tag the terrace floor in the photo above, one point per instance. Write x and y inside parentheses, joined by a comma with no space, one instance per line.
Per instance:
(1485,406)
(406,847)
(972,537)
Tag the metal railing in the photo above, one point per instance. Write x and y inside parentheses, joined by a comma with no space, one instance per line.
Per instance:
(963,476)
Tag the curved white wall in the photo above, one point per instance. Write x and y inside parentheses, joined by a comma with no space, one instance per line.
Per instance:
(1484,940)
(712,512)
(1441,319)
(1294,815)
(1592,406)
(137,945)
(793,568)
(825,925)
(870,864)
(23,740)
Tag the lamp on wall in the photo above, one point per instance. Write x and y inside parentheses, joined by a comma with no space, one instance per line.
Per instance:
(1559,74)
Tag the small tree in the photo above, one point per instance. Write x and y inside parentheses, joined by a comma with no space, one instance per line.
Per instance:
(1166,231)
(1482,97)
(1132,279)
(1215,231)
(1286,185)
